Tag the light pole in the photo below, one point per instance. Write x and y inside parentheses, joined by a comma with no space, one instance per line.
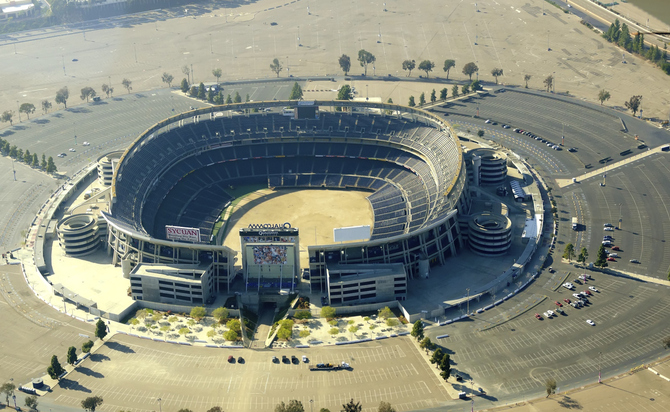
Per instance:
(18,110)
(366,92)
(135,49)
(311,405)
(62,292)
(468,301)
(14,171)
(620,215)
(160,406)
(599,376)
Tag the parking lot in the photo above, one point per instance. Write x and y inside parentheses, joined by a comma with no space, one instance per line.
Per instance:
(33,331)
(518,356)
(128,371)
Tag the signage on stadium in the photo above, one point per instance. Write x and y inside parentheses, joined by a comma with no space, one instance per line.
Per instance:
(187,234)
(270,225)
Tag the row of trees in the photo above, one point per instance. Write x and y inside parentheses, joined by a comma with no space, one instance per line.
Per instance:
(62,96)
(26,157)
(295,405)
(620,35)
(569,253)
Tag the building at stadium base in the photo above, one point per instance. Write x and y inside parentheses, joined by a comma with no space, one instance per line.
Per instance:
(177,173)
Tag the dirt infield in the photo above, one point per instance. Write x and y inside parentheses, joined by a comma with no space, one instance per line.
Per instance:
(314,211)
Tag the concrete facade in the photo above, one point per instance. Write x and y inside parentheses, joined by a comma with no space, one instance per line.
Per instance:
(180,284)
(354,284)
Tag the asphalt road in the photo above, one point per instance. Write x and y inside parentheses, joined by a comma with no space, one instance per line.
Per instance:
(632,192)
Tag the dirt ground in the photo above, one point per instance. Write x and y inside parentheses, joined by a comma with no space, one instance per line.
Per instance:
(513,35)
(314,211)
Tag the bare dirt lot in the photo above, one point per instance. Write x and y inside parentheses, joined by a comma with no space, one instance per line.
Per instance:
(314,211)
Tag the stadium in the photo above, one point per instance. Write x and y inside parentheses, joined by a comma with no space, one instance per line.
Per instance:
(175,178)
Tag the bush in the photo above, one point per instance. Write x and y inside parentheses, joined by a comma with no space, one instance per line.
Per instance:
(334,331)
(86,346)
(302,314)
(230,335)
(304,333)
(198,313)
(220,314)
(328,312)
(385,313)
(392,322)
(234,325)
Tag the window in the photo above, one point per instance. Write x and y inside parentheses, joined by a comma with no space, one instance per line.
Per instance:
(185,298)
(367,289)
(163,282)
(350,298)
(167,295)
(369,295)
(136,291)
(369,282)
(135,278)
(139,285)
(182,285)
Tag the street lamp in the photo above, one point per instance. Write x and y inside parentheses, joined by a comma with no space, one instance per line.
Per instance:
(599,376)
(468,300)
(160,406)
(311,405)
(135,49)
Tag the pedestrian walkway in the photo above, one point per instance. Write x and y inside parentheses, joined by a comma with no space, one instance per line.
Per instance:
(599,172)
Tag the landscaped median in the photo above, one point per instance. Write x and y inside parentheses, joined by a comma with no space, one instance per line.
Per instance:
(304,330)
(220,328)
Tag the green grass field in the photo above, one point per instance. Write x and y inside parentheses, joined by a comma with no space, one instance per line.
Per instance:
(238,193)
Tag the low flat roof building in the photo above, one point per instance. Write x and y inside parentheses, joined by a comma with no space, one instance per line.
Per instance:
(172,283)
(365,283)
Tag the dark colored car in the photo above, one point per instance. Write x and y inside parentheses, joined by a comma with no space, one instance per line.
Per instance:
(231,359)
(240,359)
(295,360)
(284,359)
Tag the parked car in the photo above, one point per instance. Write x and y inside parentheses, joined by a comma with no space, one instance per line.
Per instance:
(72,149)
(86,144)
(275,359)
(587,292)
(284,359)
(608,225)
(615,248)
(611,259)
(577,281)
(537,315)
(593,288)
(559,304)
(231,359)
(294,359)
(590,322)
(551,313)
(240,359)
(568,285)
(566,300)
(551,269)
(576,295)
(634,261)
(304,359)
(608,229)
(487,121)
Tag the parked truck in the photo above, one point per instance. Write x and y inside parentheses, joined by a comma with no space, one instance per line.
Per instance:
(575,223)
(329,366)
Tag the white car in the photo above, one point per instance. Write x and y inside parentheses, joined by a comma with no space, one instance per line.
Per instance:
(614,255)
(304,358)
(577,295)
(86,144)
(487,121)
(568,286)
(551,313)
(590,322)
(72,149)
(547,315)
(593,288)
(608,229)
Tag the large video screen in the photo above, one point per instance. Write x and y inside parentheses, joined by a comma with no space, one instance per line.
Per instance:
(270,255)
